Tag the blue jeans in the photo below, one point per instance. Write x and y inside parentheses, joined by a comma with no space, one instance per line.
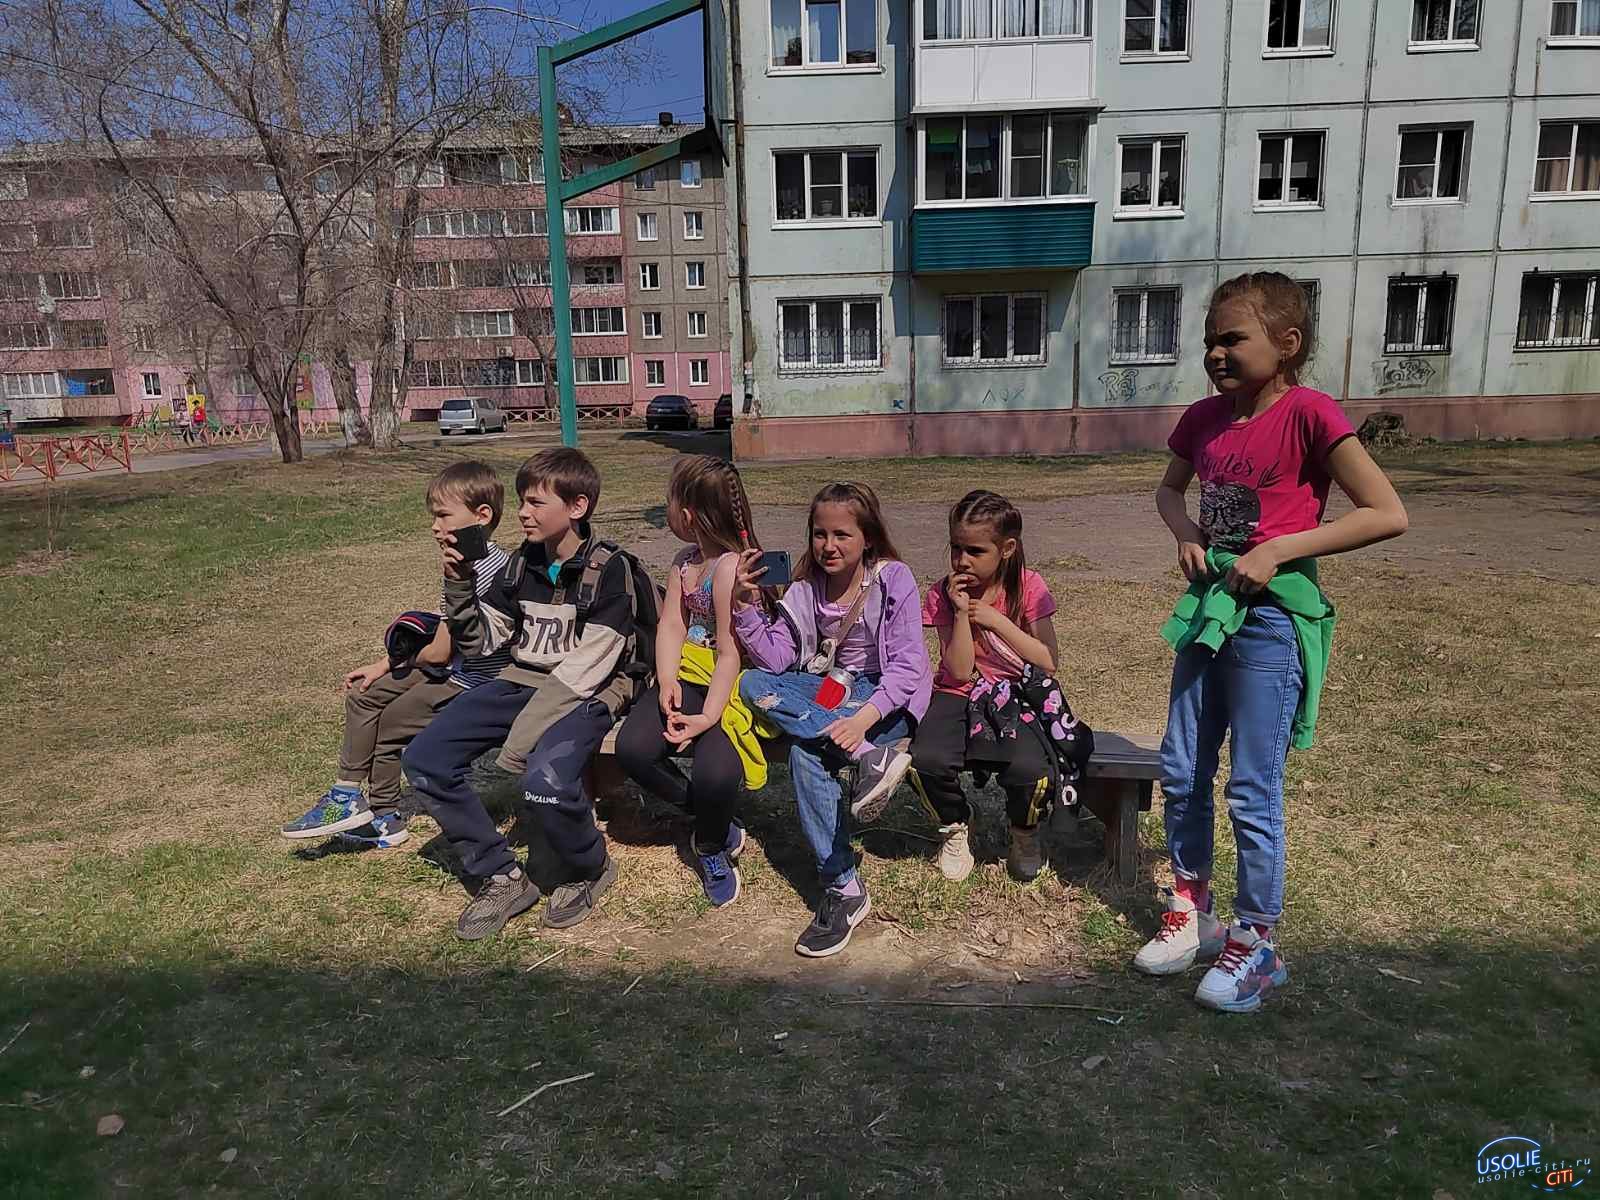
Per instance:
(1250,688)
(787,699)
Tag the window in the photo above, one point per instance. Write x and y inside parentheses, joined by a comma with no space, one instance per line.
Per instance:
(650,277)
(152,384)
(600,370)
(655,372)
(15,237)
(1144,325)
(1433,165)
(1313,290)
(25,335)
(244,384)
(13,185)
(489,373)
(599,274)
(527,273)
(597,320)
(1574,19)
(974,20)
(694,226)
(826,185)
(430,276)
(496,323)
(828,335)
(525,222)
(697,324)
(145,340)
(71,285)
(61,234)
(33,385)
(592,220)
(651,323)
(1299,26)
(1290,174)
(1558,312)
(694,275)
(1155,28)
(1025,156)
(1421,314)
(1150,175)
(699,372)
(647,227)
(645,180)
(434,373)
(431,225)
(530,372)
(689,174)
(17,286)
(1569,159)
(993,329)
(1444,23)
(824,33)
(83,335)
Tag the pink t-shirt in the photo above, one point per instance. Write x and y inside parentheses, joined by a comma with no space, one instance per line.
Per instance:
(991,656)
(1264,477)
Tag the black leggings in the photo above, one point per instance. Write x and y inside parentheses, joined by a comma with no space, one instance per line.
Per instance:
(711,792)
(939,755)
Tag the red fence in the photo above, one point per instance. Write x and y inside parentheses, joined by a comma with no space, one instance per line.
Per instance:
(51,457)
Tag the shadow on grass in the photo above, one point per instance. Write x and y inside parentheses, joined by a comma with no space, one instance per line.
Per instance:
(339,1079)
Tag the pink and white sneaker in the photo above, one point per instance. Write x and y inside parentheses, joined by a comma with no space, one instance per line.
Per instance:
(1186,935)
(1245,973)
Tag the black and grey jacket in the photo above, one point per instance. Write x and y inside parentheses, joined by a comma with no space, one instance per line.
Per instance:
(569,653)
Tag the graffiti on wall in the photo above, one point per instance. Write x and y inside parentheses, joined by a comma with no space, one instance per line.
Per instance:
(1402,375)
(1123,387)
(1007,396)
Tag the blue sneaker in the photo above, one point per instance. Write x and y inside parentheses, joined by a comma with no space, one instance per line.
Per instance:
(340,808)
(734,846)
(718,876)
(1247,971)
(383,831)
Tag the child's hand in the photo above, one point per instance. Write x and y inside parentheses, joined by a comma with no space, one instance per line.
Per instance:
(955,586)
(983,614)
(1253,571)
(682,730)
(671,698)
(364,677)
(849,732)
(1192,560)
(747,580)
(454,563)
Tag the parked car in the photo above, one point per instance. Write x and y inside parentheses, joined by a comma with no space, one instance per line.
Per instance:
(670,412)
(473,414)
(722,415)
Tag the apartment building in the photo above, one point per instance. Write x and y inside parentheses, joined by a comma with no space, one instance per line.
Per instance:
(989,226)
(79,342)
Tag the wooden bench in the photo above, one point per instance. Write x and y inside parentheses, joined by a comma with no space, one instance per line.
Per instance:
(1117,787)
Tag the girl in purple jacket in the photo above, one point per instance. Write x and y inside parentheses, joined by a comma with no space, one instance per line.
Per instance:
(843,670)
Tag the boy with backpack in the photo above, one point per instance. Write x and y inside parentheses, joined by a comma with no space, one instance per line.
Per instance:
(578,614)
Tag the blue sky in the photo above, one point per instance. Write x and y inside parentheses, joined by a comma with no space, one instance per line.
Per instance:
(675,83)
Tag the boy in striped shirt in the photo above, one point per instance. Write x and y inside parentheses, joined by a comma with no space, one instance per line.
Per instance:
(388,703)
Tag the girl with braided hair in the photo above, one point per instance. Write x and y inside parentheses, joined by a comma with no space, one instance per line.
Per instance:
(692,710)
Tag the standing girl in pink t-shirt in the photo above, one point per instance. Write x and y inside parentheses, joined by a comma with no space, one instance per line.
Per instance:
(993,616)
(1265,450)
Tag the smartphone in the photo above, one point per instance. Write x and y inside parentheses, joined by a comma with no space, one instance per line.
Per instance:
(776,563)
(472,541)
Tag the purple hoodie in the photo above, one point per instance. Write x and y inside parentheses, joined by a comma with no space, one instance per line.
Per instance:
(893,607)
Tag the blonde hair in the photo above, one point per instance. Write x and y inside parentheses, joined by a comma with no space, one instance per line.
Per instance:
(1281,305)
(473,483)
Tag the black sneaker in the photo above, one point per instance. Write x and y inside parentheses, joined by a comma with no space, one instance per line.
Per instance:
(836,919)
(877,777)
(573,902)
(499,898)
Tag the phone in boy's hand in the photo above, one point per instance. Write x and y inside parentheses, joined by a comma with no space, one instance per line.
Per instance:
(472,541)
(776,565)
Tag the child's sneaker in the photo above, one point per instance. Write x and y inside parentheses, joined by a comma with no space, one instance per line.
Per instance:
(734,846)
(340,808)
(1245,973)
(718,876)
(499,898)
(1187,934)
(877,777)
(574,902)
(1025,859)
(955,854)
(836,919)
(382,832)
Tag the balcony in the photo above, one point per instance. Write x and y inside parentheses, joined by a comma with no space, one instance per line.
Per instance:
(999,54)
(1002,237)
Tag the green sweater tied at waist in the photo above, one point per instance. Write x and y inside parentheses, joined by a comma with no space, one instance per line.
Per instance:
(1208,614)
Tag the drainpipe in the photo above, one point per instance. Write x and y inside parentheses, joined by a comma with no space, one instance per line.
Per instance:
(1500,196)
(747,331)
(1361,188)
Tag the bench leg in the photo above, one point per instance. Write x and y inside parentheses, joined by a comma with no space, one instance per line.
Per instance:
(1118,807)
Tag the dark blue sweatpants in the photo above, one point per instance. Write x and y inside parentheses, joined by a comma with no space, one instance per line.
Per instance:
(478,720)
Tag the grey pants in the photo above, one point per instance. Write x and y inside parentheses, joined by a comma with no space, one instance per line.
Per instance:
(380,722)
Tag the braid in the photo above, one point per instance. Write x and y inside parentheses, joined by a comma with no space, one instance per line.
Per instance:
(741,512)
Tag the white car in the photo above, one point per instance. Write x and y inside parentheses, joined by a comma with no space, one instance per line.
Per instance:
(470,414)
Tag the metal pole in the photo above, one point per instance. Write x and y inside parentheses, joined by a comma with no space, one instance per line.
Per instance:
(556,231)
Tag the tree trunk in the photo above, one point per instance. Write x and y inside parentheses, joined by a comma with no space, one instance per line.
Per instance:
(286,428)
(383,413)
(343,374)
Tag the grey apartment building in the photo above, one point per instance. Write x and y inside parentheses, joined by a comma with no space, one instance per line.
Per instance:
(992,226)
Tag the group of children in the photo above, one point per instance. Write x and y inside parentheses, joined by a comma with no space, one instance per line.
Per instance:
(543,651)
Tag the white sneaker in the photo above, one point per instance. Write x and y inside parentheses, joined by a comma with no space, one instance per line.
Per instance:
(1186,934)
(955,855)
(1247,971)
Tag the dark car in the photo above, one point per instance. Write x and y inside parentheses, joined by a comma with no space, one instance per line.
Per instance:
(722,415)
(670,412)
